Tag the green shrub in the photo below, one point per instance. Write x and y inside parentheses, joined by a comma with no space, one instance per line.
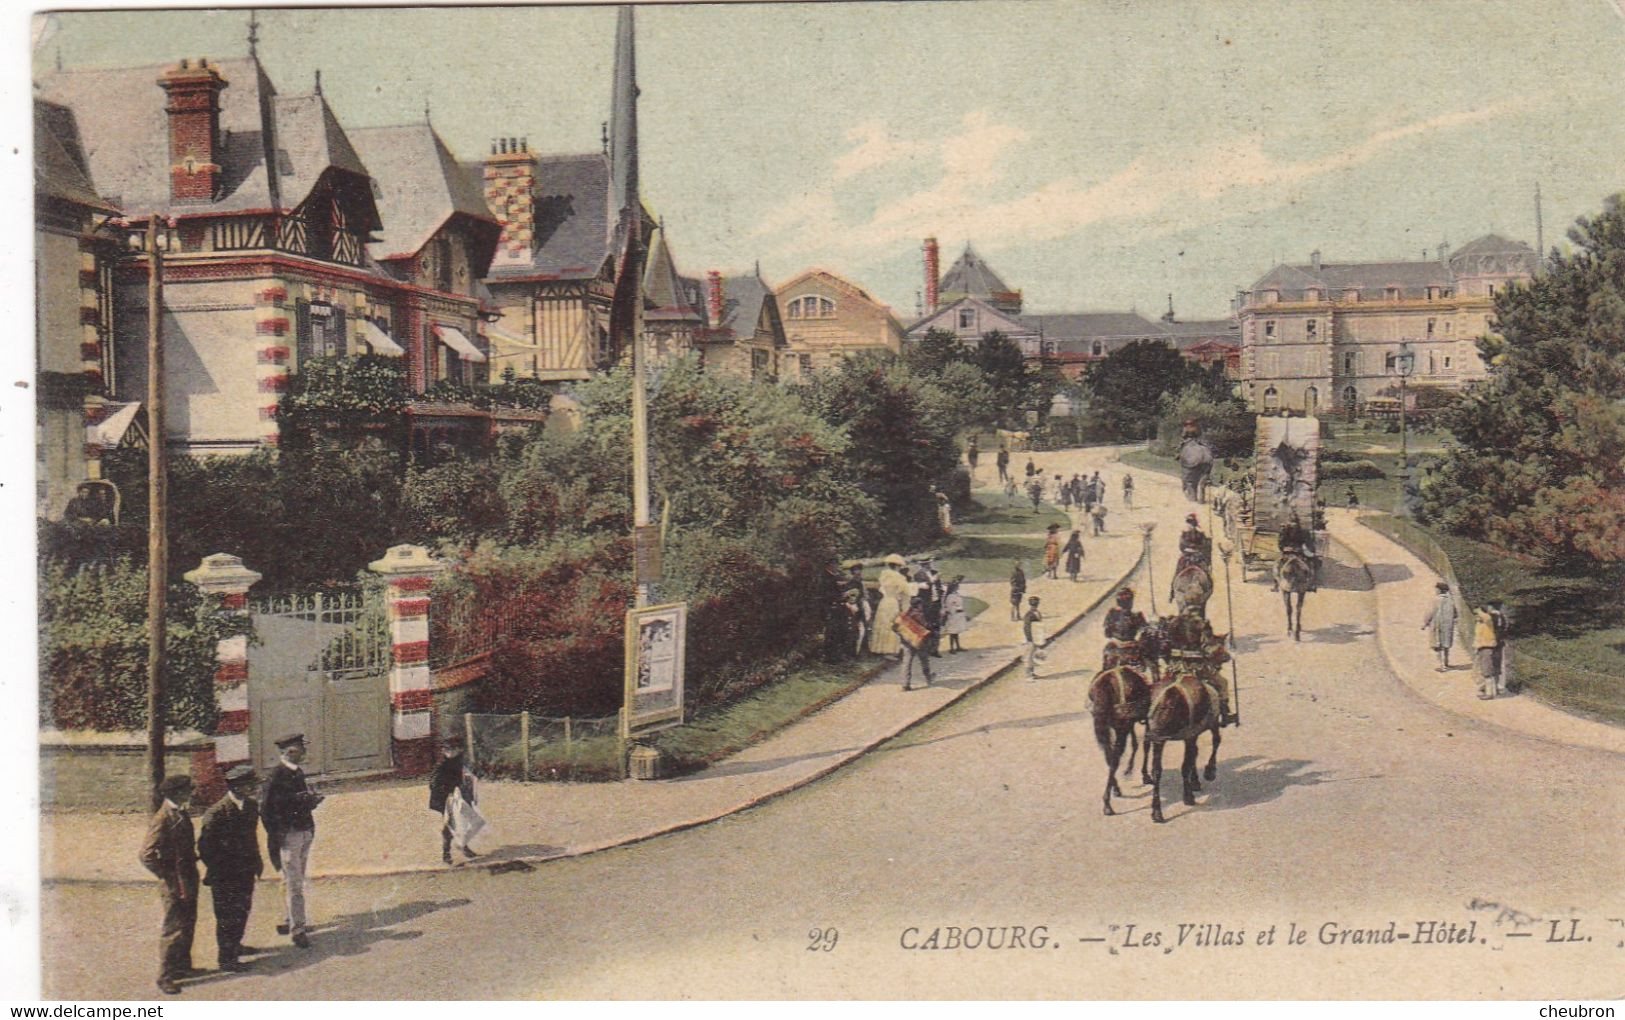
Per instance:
(1336,470)
(93,649)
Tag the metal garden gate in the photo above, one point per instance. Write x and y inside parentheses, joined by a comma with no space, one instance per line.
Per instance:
(321,668)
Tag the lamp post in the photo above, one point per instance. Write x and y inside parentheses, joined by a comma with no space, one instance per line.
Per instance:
(152,242)
(1405,364)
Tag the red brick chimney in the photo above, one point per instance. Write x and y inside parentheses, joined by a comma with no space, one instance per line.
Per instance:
(510,192)
(194,129)
(932,274)
(713,297)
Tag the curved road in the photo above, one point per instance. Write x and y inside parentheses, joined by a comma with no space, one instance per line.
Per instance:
(1345,808)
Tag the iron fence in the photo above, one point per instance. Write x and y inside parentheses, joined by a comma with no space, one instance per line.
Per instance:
(356,622)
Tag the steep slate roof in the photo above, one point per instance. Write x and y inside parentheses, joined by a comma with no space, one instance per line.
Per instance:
(573,219)
(61,170)
(126,134)
(1490,244)
(743,298)
(420,186)
(667,294)
(1010,325)
(1093,325)
(972,277)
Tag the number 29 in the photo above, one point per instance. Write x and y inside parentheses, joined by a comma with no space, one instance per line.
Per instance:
(822,940)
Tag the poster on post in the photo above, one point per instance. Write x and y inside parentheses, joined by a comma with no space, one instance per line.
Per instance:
(654,668)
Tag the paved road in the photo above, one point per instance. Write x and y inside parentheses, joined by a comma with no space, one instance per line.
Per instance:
(1343,800)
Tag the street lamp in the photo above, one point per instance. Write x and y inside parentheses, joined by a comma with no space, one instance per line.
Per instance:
(153,242)
(1404,364)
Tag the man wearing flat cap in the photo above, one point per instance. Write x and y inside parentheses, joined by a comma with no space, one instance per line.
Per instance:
(229,846)
(169,853)
(286,808)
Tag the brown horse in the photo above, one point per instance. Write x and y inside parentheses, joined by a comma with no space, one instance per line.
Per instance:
(1294,575)
(1183,708)
(1118,698)
(1192,585)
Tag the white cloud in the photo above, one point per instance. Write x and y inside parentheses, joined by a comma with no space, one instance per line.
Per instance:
(1174,190)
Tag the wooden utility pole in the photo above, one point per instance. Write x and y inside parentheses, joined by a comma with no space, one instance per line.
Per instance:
(157,505)
(640,430)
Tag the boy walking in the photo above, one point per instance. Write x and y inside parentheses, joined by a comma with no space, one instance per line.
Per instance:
(1032,636)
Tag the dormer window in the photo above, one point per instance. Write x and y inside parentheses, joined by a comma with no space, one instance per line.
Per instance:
(1312,294)
(1270,297)
(1391,293)
(1098,348)
(967,318)
(1351,295)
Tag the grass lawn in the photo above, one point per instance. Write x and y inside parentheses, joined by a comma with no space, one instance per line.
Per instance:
(1148,461)
(993,517)
(988,559)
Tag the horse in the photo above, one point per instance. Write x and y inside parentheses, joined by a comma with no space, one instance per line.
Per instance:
(1183,708)
(1118,698)
(1192,585)
(1294,575)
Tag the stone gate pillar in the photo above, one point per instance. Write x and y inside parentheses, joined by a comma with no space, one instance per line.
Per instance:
(410,570)
(226,581)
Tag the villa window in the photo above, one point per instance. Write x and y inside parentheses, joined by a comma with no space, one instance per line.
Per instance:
(1309,329)
(1269,329)
(805,363)
(1097,348)
(1447,362)
(1272,399)
(967,318)
(1351,363)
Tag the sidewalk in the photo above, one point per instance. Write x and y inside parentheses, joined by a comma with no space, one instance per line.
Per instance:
(1404,587)
(385,828)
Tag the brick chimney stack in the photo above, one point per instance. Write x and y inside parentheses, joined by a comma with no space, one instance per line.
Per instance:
(932,274)
(713,297)
(510,192)
(194,129)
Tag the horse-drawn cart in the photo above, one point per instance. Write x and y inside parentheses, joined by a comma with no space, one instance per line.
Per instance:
(1286,458)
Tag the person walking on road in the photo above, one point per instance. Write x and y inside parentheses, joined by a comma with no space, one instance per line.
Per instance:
(1128,490)
(1018,589)
(170,854)
(1052,552)
(914,635)
(972,455)
(1032,636)
(1002,460)
(1441,625)
(452,794)
(894,592)
(287,808)
(954,620)
(1097,514)
(1489,640)
(1074,555)
(228,844)
(1035,492)
(1100,488)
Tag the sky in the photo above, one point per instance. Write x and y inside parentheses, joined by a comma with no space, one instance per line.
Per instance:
(1099,155)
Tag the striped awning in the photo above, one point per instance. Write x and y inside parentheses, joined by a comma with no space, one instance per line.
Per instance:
(453,337)
(379,341)
(507,339)
(110,431)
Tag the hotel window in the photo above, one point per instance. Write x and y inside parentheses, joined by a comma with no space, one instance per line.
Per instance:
(1309,329)
(1432,368)
(1431,324)
(1390,363)
(1351,295)
(1272,399)
(1447,327)
(967,318)
(1391,293)
(1447,362)
(1269,329)
(1351,363)
(1492,290)
(806,363)
(1312,294)
(1097,348)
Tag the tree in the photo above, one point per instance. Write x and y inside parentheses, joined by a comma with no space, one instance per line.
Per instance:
(1014,383)
(1126,389)
(1539,458)
(935,351)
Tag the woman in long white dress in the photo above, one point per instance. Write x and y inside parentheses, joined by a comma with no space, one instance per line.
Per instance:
(955,621)
(894,592)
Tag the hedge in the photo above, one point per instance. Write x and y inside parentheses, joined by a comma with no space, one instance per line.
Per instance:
(1334,470)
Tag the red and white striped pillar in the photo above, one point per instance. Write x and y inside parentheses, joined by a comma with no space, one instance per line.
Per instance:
(224,578)
(409,571)
(272,355)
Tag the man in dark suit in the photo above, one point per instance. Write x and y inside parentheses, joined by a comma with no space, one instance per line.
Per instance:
(286,807)
(229,846)
(169,853)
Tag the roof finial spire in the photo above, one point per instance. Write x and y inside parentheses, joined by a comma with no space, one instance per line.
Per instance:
(758,269)
(253,34)
(426,110)
(318,81)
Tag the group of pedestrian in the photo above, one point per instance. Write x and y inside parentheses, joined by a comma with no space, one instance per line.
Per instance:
(1489,639)
(228,847)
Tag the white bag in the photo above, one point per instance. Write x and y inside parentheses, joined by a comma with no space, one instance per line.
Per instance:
(463,818)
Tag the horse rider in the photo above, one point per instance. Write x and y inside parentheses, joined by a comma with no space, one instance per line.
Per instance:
(1195,548)
(1194,651)
(1124,627)
(1296,539)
